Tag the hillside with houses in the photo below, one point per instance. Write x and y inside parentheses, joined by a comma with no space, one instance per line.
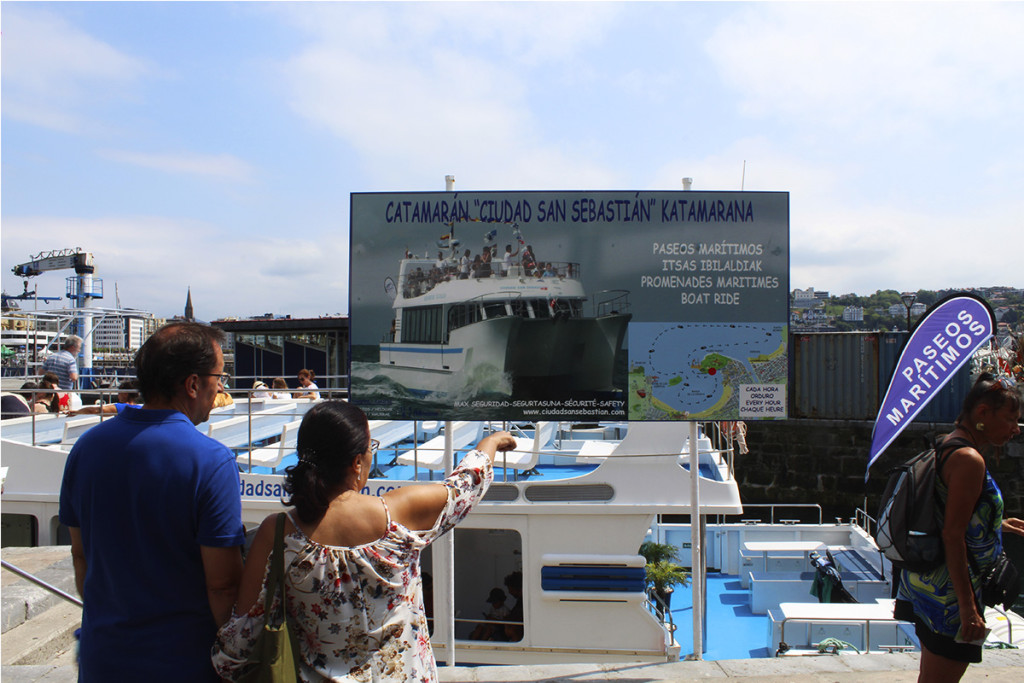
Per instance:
(889,310)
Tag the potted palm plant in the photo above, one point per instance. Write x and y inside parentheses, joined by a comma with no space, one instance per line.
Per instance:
(663,573)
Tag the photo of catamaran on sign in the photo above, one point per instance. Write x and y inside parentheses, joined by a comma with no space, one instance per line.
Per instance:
(497,326)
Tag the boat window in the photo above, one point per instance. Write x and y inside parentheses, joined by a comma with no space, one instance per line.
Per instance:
(422,325)
(484,559)
(520,309)
(23,531)
(494,309)
(540,308)
(462,315)
(567,308)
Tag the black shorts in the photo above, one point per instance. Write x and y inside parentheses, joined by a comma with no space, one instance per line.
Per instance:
(936,643)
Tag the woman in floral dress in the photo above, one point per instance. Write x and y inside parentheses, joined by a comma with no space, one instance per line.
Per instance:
(352,570)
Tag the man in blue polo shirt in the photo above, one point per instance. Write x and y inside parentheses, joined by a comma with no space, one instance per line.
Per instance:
(154,514)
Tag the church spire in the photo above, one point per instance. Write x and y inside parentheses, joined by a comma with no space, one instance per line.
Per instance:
(189,315)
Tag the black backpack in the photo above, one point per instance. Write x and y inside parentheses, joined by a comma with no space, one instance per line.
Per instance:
(910,514)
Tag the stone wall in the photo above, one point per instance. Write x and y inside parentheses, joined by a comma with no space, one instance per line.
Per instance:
(823,461)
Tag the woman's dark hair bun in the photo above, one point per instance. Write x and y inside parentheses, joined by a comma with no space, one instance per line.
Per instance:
(332,435)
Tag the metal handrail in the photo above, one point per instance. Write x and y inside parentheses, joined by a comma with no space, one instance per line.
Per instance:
(865,521)
(864,622)
(772,507)
(653,602)
(42,584)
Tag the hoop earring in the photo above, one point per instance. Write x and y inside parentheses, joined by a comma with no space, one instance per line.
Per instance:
(980,426)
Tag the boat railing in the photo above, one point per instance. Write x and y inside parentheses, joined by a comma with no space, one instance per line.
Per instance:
(416,283)
(865,521)
(611,302)
(662,611)
(39,582)
(863,622)
(108,396)
(337,386)
(722,440)
(774,514)
(563,270)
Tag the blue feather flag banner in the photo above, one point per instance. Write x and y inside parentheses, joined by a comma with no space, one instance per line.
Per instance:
(943,340)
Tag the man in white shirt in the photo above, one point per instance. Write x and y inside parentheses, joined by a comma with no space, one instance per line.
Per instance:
(506,260)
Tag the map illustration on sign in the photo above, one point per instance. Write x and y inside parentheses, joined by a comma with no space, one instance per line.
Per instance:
(706,371)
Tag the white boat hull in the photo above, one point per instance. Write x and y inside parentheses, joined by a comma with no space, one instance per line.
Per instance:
(537,357)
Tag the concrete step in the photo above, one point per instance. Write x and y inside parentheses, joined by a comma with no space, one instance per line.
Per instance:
(23,600)
(43,638)
(40,673)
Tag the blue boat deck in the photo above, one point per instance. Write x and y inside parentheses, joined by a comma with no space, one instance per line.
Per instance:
(733,631)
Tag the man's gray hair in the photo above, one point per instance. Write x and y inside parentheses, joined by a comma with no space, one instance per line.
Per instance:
(71,342)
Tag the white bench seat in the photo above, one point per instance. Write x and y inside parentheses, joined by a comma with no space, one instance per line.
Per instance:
(430,455)
(271,456)
(527,450)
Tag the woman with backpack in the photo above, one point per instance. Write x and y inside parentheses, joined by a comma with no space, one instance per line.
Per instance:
(944,604)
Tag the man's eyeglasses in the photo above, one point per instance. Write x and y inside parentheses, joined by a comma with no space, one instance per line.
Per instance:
(224,377)
(374,446)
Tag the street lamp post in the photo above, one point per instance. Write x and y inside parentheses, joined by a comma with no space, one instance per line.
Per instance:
(908,299)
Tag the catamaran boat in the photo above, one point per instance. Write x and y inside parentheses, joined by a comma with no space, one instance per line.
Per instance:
(528,323)
(568,510)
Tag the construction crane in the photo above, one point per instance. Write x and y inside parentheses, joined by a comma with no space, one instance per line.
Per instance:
(82,288)
(61,259)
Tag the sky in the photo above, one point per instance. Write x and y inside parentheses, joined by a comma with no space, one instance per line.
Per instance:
(213,146)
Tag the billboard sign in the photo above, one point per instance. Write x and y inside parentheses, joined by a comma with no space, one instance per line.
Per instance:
(570,305)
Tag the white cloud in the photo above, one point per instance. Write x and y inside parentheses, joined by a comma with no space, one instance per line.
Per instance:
(438,88)
(54,72)
(156,259)
(876,69)
(883,247)
(222,166)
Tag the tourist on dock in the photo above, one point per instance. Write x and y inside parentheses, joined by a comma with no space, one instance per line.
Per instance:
(309,387)
(280,388)
(153,509)
(13,404)
(54,399)
(63,362)
(352,561)
(127,395)
(945,603)
(37,402)
(260,389)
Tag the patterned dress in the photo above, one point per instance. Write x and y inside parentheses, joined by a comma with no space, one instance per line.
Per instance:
(358,612)
(931,593)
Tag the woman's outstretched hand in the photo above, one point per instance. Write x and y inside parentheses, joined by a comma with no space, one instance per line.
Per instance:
(498,441)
